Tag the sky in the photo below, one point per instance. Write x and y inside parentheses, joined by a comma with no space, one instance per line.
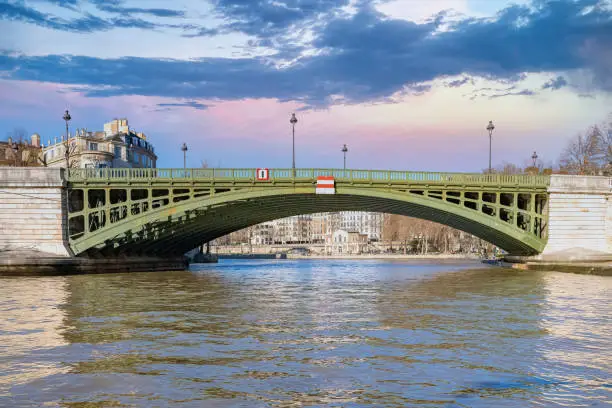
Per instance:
(406,84)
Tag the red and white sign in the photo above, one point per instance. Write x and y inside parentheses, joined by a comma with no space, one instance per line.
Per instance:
(263,174)
(326,185)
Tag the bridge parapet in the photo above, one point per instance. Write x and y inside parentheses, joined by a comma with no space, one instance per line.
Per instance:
(31,176)
(307,175)
(580,184)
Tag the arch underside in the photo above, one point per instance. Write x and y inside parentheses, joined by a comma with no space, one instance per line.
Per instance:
(174,231)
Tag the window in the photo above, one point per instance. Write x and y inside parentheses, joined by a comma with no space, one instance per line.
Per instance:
(93,146)
(118,152)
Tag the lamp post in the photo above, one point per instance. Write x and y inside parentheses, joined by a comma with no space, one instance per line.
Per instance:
(344,150)
(67,118)
(293,121)
(534,157)
(490,128)
(15,148)
(184,149)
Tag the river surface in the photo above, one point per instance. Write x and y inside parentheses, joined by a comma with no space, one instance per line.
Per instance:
(324,333)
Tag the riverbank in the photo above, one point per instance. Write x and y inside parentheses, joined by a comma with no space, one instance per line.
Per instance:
(37,264)
(386,256)
(583,268)
(351,256)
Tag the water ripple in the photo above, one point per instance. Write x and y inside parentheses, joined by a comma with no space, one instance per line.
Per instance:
(308,333)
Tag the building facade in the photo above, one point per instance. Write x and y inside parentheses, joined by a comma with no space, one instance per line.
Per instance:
(342,242)
(116,146)
(21,153)
(369,223)
(317,228)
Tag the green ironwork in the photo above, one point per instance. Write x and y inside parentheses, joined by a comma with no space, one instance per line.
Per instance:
(170,211)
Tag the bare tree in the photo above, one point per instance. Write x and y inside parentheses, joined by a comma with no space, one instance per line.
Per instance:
(508,168)
(390,230)
(71,148)
(42,159)
(605,146)
(18,135)
(581,156)
(19,152)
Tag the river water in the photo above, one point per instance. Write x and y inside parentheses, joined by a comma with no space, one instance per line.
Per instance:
(319,333)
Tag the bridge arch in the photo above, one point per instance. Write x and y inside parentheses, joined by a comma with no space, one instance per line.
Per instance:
(179,226)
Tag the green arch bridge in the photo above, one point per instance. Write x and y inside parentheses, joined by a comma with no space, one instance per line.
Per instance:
(166,212)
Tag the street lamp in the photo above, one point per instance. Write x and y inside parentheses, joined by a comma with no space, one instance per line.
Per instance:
(293,121)
(184,149)
(15,148)
(490,128)
(534,157)
(344,150)
(67,118)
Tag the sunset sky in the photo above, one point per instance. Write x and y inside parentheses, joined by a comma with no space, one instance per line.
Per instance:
(406,84)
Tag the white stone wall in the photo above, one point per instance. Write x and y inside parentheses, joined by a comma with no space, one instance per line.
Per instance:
(609,225)
(580,218)
(31,210)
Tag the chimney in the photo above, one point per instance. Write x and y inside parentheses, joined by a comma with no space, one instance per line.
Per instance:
(35,140)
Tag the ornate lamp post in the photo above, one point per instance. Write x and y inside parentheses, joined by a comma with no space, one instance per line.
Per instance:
(490,128)
(184,149)
(293,121)
(67,119)
(344,150)
(534,157)
(15,148)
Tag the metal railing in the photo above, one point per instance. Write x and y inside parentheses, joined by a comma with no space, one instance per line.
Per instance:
(303,175)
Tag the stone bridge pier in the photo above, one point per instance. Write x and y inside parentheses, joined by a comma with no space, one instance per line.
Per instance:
(32,211)
(579,219)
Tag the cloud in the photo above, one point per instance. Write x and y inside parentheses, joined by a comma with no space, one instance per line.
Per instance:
(86,24)
(265,18)
(555,83)
(70,4)
(360,58)
(203,32)
(524,92)
(459,82)
(188,104)
(114,6)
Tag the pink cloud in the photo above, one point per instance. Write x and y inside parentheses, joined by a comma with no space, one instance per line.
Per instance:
(437,132)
